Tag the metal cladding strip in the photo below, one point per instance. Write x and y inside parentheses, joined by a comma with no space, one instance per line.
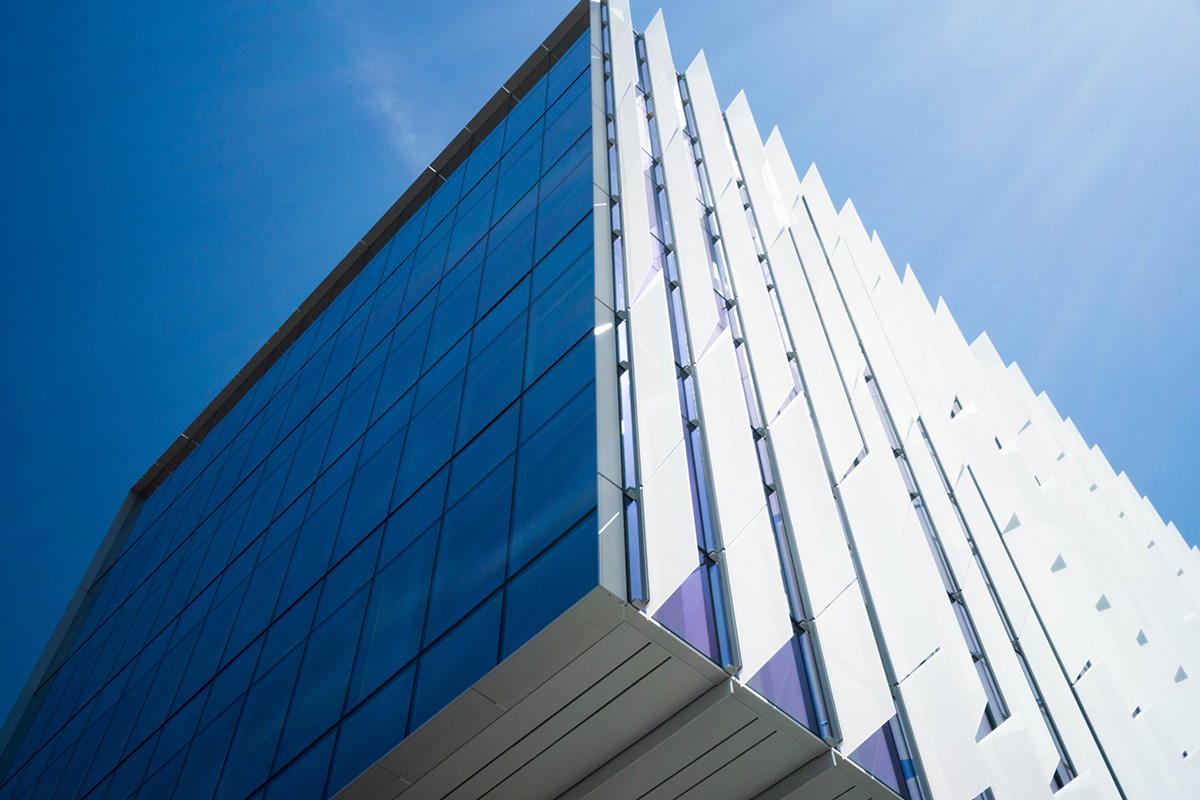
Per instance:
(890,349)
(774,380)
(778,523)
(843,614)
(832,226)
(636,570)
(711,506)
(732,459)
(610,480)
(671,552)
(802,609)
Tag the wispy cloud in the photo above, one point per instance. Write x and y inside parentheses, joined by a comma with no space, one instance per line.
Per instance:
(380,90)
(383,85)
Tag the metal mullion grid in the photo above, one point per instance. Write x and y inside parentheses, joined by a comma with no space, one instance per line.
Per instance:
(710,543)
(635,550)
(906,741)
(803,624)
(996,710)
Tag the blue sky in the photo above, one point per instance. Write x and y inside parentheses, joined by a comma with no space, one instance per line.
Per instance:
(176,181)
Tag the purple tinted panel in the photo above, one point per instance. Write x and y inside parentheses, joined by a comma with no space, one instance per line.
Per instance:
(784,681)
(878,756)
(688,613)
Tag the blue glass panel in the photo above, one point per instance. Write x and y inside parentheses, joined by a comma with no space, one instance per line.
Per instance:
(288,631)
(404,363)
(166,681)
(481,456)
(304,779)
(560,383)
(391,633)
(370,498)
(232,681)
(568,66)
(123,718)
(211,643)
(205,757)
(461,657)
(575,245)
(176,733)
(162,783)
(311,557)
(415,516)
(349,575)
(455,312)
(128,775)
(353,415)
(484,157)
(471,551)
(567,120)
(510,251)
(493,380)
(560,317)
(372,729)
(440,374)
(257,604)
(430,440)
(405,240)
(551,584)
(497,319)
(253,745)
(385,311)
(519,169)
(474,217)
(556,479)
(390,421)
(565,195)
(444,198)
(427,267)
(321,687)
(307,463)
(525,113)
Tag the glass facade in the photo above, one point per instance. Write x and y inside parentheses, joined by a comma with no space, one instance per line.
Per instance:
(405,498)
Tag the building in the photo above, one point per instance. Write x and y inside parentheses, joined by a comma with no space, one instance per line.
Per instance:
(615,462)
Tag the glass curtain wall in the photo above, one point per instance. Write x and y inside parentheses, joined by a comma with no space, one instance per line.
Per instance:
(405,498)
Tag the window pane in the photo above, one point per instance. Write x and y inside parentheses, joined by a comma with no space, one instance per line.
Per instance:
(550,585)
(391,633)
(561,455)
(462,657)
(471,551)
(324,676)
(372,729)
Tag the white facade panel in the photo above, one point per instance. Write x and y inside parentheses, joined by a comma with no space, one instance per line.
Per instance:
(856,677)
(660,427)
(1055,543)
(769,355)
(759,602)
(945,715)
(670,536)
(735,476)
(819,540)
